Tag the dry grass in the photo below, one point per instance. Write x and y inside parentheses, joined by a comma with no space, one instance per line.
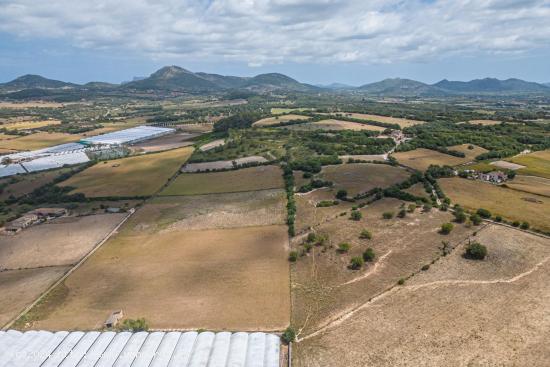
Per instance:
(485,122)
(62,241)
(506,165)
(26,125)
(361,177)
(245,179)
(417,190)
(457,313)
(385,119)
(280,111)
(421,159)
(537,163)
(213,144)
(224,279)
(167,142)
(31,104)
(334,125)
(38,141)
(532,184)
(269,121)
(471,154)
(134,176)
(510,204)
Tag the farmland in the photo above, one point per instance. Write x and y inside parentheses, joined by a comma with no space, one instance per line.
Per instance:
(420,159)
(134,176)
(22,185)
(332,124)
(245,179)
(26,125)
(38,141)
(510,204)
(458,306)
(537,163)
(532,184)
(361,177)
(469,150)
(269,121)
(385,119)
(485,122)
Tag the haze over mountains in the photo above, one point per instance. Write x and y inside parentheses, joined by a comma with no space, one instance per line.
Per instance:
(177,79)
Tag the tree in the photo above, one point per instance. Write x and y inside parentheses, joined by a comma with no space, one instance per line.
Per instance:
(484,213)
(344,247)
(369,255)
(356,263)
(476,219)
(342,194)
(293,256)
(460,216)
(356,215)
(446,228)
(475,251)
(365,234)
(524,225)
(289,335)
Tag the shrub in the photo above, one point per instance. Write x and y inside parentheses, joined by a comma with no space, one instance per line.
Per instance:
(524,225)
(498,218)
(135,325)
(515,223)
(446,228)
(344,247)
(308,246)
(365,234)
(425,267)
(356,263)
(427,207)
(356,215)
(484,213)
(476,219)
(460,217)
(289,335)
(475,251)
(411,208)
(387,215)
(342,195)
(402,213)
(369,254)
(293,256)
(401,281)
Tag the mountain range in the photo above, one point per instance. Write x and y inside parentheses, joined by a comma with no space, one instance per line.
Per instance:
(177,79)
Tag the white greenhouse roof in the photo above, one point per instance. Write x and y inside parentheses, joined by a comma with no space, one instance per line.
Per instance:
(127,136)
(55,161)
(11,169)
(142,349)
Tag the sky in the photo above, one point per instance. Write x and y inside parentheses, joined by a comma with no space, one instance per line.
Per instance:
(315,41)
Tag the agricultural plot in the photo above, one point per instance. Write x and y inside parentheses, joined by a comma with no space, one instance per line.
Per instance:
(219,279)
(417,190)
(25,184)
(242,209)
(420,159)
(487,312)
(506,165)
(220,165)
(357,178)
(280,111)
(141,175)
(245,179)
(537,163)
(308,215)
(471,151)
(27,125)
(325,289)
(385,119)
(213,144)
(30,104)
(270,121)
(532,184)
(167,142)
(334,125)
(485,122)
(365,157)
(38,141)
(510,204)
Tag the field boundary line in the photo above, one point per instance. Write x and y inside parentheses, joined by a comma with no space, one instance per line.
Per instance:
(69,272)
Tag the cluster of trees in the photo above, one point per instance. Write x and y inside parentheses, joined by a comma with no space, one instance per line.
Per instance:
(238,121)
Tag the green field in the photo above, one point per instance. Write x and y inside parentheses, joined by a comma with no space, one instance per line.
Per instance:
(246,179)
(134,176)
(537,163)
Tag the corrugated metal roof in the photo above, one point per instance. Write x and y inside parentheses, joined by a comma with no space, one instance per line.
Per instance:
(142,349)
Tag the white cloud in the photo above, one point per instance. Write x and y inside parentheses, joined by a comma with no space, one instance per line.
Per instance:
(274,31)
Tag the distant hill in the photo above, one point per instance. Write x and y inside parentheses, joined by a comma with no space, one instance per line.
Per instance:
(276,81)
(400,87)
(336,86)
(30,81)
(173,78)
(491,85)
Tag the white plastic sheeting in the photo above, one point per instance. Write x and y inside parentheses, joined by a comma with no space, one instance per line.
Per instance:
(128,136)
(142,349)
(11,169)
(55,161)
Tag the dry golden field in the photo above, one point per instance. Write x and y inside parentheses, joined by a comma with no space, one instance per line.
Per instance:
(386,119)
(25,125)
(332,124)
(141,175)
(269,121)
(537,163)
(471,154)
(485,122)
(38,141)
(532,184)
(30,104)
(510,204)
(421,159)
(244,179)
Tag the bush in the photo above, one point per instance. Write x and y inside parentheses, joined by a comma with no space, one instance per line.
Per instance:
(344,247)
(135,325)
(460,217)
(515,223)
(356,263)
(446,228)
(369,255)
(425,267)
(365,234)
(387,215)
(427,207)
(476,219)
(475,251)
(289,335)
(401,281)
(342,195)
(484,213)
(498,218)
(411,208)
(293,256)
(356,215)
(402,213)
(524,225)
